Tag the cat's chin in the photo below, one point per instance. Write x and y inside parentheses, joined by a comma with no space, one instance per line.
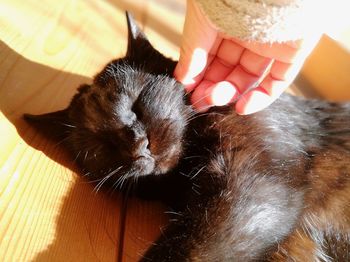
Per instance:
(163,168)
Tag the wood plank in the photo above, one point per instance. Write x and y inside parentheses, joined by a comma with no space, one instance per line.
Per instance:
(47,213)
(144,223)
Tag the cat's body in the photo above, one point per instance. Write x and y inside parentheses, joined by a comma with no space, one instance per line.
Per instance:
(278,176)
(273,186)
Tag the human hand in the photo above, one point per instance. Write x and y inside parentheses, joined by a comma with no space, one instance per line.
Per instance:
(220,69)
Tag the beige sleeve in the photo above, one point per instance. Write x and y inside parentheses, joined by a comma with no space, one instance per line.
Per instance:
(266,20)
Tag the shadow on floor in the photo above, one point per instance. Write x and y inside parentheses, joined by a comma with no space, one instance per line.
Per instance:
(87,226)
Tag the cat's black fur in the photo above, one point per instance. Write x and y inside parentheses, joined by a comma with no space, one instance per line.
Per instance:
(273,186)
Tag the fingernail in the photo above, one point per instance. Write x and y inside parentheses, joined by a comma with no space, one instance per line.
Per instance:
(188,81)
(221,93)
(253,102)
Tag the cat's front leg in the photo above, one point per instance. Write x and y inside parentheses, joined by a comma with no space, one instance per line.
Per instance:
(169,188)
(174,245)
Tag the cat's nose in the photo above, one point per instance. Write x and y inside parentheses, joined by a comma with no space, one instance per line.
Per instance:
(141,148)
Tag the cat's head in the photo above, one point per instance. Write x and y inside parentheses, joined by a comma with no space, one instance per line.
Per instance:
(130,122)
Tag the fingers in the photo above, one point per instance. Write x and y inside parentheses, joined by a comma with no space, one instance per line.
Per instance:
(260,97)
(198,97)
(198,41)
(253,63)
(231,73)
(250,69)
(221,93)
(229,52)
(285,71)
(274,84)
(274,78)
(217,70)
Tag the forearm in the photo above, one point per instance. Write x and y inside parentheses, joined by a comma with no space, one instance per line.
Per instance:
(266,21)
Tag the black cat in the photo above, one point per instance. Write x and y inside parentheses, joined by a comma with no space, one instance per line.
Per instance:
(273,186)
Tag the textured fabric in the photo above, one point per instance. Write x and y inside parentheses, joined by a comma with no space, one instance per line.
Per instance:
(266,20)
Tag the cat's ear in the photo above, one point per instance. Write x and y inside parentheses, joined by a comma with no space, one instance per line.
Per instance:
(55,125)
(136,37)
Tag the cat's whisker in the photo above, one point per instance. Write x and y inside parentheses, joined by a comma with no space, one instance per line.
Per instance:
(86,174)
(68,125)
(200,170)
(86,155)
(95,148)
(104,180)
(190,157)
(116,183)
(61,141)
(92,181)
(76,157)
(183,174)
(99,185)
(189,118)
(204,114)
(120,181)
(123,180)
(201,99)
(195,190)
(115,170)
(189,111)
(173,213)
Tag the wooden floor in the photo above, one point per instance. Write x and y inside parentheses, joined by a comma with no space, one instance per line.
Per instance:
(48,48)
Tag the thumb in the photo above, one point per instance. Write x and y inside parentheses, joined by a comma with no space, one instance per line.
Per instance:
(199,38)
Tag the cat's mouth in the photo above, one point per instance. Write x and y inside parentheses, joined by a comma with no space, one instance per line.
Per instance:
(144,165)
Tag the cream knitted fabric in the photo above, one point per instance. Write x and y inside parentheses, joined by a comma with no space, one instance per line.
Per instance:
(266,20)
